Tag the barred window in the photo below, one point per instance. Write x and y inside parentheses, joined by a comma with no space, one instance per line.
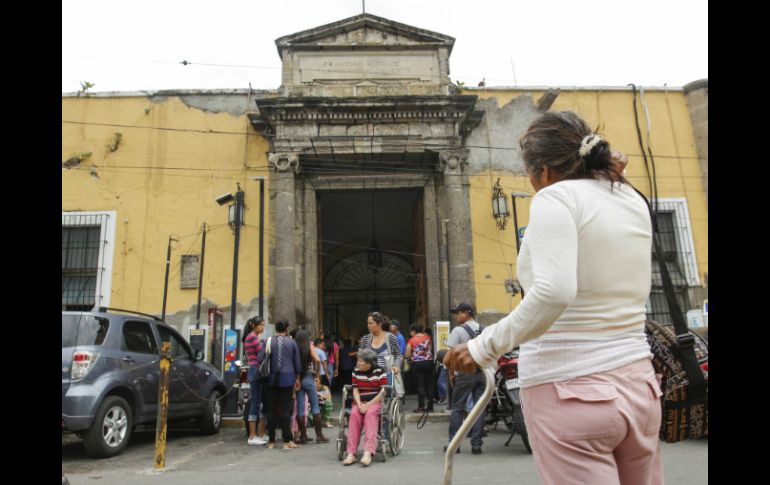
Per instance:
(676,243)
(84,260)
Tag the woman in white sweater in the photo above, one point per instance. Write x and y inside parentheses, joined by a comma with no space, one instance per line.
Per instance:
(589,392)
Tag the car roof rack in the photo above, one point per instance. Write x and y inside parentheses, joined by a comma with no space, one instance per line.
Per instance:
(105,309)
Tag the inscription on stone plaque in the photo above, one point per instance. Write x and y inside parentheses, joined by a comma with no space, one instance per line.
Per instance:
(189,271)
(419,66)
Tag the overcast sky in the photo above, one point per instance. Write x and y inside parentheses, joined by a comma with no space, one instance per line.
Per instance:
(139,45)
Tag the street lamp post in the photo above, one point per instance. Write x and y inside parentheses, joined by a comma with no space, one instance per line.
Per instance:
(236,220)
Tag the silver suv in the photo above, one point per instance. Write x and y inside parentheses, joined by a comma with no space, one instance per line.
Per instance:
(110,372)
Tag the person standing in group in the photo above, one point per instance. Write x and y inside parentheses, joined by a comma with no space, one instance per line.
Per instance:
(285,369)
(466,385)
(320,350)
(419,349)
(395,329)
(252,345)
(368,382)
(348,359)
(442,384)
(308,382)
(589,392)
(332,349)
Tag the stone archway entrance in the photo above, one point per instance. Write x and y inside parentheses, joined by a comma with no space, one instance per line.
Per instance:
(365,104)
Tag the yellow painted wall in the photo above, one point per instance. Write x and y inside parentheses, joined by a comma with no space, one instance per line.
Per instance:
(677,170)
(161,182)
(171,164)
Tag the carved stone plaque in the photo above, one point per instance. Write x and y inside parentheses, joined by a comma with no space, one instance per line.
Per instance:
(189,271)
(320,66)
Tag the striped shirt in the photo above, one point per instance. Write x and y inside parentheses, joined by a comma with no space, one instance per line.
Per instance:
(369,383)
(251,346)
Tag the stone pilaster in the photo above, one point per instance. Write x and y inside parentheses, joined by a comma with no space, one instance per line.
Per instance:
(453,163)
(283,289)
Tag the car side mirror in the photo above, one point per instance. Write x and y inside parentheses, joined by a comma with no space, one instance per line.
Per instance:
(198,355)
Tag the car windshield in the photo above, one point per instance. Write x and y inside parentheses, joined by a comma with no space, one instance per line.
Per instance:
(79,330)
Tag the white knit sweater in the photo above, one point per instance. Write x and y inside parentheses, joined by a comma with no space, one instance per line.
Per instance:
(585,266)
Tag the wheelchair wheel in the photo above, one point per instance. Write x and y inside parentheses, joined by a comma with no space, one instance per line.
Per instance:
(342,437)
(397,426)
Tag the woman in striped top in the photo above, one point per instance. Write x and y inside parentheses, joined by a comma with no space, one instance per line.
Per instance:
(252,345)
(368,382)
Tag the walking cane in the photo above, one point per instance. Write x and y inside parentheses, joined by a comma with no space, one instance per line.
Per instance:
(468,424)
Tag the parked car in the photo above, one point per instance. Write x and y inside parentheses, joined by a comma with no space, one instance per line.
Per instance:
(110,375)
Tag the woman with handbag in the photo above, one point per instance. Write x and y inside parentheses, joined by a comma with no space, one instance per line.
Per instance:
(252,345)
(589,393)
(282,379)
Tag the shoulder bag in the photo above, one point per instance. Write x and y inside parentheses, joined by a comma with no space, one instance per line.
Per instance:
(684,383)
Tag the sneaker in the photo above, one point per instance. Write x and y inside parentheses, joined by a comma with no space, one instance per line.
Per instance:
(476,451)
(252,441)
(260,440)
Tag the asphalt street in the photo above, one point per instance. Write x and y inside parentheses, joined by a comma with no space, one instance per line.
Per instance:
(226,458)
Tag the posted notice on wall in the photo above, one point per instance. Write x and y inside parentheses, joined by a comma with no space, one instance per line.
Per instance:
(441,335)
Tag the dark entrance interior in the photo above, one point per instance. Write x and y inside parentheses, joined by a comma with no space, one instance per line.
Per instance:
(372,248)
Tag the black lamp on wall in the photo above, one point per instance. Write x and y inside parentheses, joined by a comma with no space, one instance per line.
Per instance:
(499,206)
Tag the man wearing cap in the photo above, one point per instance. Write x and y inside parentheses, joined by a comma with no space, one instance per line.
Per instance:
(464,384)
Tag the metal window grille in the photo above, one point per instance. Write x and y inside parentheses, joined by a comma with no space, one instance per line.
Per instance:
(81,260)
(678,257)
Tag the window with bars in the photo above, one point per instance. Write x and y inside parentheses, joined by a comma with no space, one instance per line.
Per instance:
(676,242)
(83,260)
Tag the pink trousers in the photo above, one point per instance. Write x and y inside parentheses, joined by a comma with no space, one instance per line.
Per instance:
(601,428)
(370,422)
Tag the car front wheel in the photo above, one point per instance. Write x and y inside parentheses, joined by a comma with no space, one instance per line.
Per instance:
(111,429)
(212,415)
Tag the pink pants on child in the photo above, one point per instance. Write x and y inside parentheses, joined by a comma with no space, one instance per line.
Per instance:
(602,428)
(371,425)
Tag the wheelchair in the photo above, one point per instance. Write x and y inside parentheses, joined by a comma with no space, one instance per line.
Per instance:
(392,422)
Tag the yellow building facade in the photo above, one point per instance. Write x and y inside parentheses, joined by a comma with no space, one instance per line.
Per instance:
(139,169)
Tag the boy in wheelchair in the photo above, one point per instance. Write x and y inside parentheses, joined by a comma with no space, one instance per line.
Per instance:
(368,392)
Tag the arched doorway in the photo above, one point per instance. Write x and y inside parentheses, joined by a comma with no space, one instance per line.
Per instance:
(372,254)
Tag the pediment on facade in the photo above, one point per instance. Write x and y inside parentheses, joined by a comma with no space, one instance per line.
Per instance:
(367,31)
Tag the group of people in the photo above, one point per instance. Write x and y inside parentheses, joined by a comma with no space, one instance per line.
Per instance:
(303,370)
(299,378)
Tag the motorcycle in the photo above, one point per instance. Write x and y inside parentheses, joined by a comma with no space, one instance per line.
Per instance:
(505,404)
(244,393)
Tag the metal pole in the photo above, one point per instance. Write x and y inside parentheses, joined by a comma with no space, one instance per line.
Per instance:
(238,214)
(516,224)
(160,427)
(261,245)
(200,279)
(165,285)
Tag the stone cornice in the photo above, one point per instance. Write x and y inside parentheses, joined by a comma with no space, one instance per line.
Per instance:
(367,110)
